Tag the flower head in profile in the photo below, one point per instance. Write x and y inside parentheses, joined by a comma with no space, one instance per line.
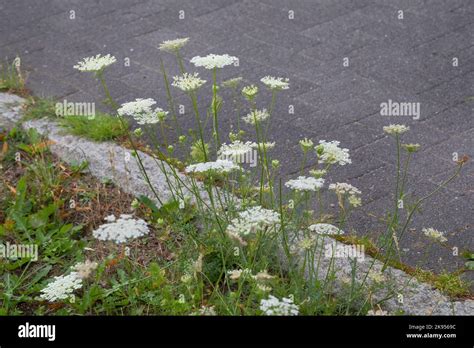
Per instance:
(249,92)
(275,83)
(434,234)
(173,46)
(396,129)
(236,149)
(62,287)
(304,183)
(325,229)
(142,111)
(122,229)
(329,152)
(188,82)
(219,166)
(411,148)
(95,63)
(214,61)
(274,306)
(252,220)
(256,116)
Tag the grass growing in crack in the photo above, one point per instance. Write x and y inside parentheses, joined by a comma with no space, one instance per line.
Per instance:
(12,79)
(37,108)
(102,127)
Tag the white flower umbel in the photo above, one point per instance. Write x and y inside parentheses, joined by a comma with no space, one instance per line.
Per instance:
(304,183)
(275,83)
(331,153)
(173,46)
(256,116)
(94,64)
(123,229)
(378,312)
(62,287)
(219,166)
(325,229)
(236,149)
(344,188)
(274,306)
(142,111)
(434,234)
(213,61)
(253,220)
(395,129)
(188,82)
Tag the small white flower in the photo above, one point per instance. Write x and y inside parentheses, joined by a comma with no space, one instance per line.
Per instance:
(122,229)
(275,83)
(325,229)
(62,287)
(344,188)
(188,82)
(213,61)
(304,183)
(95,64)
(173,46)
(264,288)
(219,166)
(434,234)
(377,312)
(236,149)
(274,306)
(252,220)
(142,111)
(396,129)
(331,153)
(256,116)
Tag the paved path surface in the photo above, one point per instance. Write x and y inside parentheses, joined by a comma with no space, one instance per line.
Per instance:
(404,60)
